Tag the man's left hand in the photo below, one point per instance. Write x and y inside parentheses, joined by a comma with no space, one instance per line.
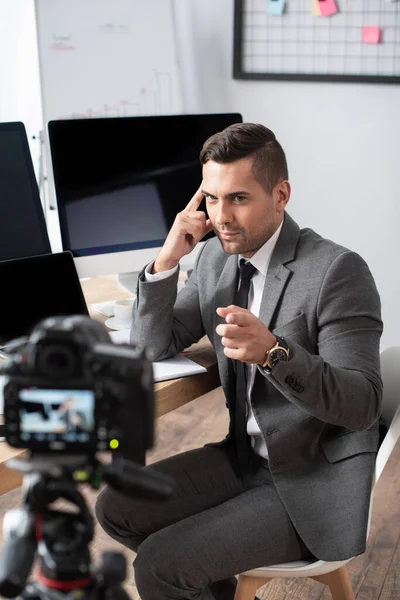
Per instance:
(244,336)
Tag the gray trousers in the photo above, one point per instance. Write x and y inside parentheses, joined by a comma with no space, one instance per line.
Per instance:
(212,527)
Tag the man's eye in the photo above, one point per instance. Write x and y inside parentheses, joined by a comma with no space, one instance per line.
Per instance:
(239,198)
(210,198)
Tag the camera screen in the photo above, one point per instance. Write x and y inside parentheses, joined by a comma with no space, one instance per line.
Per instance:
(48,415)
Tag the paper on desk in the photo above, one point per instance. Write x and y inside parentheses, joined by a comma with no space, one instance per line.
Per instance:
(171,368)
(180,366)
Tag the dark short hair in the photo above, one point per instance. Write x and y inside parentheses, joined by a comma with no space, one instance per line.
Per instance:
(249,140)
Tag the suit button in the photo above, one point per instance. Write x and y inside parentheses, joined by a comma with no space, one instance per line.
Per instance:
(289,379)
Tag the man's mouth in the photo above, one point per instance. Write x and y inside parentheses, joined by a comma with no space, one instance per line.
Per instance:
(228,235)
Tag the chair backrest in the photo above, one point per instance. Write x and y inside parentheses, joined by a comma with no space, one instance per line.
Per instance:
(390,369)
(390,417)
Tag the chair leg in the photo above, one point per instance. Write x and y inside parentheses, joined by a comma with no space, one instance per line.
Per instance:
(248,586)
(339,584)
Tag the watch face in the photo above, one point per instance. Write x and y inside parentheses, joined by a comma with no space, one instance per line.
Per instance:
(276,356)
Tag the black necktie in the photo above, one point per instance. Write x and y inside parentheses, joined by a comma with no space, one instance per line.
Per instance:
(242,440)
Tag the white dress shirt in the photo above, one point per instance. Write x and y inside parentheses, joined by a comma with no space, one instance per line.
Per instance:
(260,260)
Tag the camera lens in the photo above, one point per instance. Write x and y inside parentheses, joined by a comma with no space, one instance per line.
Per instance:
(57,361)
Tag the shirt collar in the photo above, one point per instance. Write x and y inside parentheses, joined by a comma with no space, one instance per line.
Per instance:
(263,255)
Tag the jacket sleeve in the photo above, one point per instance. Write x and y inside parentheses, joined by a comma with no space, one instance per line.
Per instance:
(163,321)
(341,383)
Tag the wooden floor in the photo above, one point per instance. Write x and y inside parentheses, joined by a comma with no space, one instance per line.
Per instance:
(375,575)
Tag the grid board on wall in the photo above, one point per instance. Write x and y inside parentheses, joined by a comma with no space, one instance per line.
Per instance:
(300,46)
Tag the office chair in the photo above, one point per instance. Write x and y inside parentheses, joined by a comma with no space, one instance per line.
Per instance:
(334,574)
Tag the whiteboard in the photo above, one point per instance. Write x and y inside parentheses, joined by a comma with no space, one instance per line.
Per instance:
(106,58)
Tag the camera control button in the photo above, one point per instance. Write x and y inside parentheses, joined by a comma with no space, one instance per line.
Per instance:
(102,433)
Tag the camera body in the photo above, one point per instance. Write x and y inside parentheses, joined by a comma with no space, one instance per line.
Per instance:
(69,389)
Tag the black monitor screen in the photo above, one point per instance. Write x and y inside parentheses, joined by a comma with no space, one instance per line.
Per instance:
(36,288)
(22,225)
(121,181)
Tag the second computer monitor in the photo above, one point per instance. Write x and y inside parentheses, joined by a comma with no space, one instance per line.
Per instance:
(121,181)
(23,229)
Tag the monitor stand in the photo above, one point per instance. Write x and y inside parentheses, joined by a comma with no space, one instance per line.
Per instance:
(128,281)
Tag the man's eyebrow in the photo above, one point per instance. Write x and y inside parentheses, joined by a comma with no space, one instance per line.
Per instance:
(230,195)
(238,193)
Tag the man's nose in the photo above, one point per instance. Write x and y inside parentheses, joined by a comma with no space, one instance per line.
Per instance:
(224,213)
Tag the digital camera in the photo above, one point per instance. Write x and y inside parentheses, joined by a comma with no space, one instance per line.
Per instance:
(69,389)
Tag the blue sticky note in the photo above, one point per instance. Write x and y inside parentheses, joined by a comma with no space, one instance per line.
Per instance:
(275,7)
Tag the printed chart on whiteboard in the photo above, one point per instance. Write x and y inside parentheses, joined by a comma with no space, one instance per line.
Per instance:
(320,40)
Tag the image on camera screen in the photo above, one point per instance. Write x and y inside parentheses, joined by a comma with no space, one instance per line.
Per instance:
(50,415)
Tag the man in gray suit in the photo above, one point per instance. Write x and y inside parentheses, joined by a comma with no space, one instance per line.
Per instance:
(300,371)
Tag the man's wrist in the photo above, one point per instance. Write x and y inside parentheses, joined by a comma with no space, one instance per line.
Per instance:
(161,265)
(267,351)
(278,352)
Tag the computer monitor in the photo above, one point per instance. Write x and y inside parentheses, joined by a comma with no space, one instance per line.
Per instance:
(120,182)
(23,229)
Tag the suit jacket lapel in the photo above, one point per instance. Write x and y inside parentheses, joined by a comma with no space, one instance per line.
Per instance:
(278,273)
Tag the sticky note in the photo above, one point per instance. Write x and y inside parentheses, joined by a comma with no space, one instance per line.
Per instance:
(327,7)
(275,7)
(316,11)
(371,35)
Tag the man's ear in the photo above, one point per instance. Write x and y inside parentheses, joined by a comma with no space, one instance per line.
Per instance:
(282,191)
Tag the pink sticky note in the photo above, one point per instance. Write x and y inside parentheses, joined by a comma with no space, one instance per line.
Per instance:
(371,35)
(327,7)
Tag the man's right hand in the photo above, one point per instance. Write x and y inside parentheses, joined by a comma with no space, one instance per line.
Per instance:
(189,227)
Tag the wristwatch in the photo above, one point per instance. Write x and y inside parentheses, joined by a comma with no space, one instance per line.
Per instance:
(278,353)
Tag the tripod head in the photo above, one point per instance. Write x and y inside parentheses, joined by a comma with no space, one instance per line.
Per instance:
(61,538)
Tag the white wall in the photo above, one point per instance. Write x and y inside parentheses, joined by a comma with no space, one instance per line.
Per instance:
(342,143)
(20,97)
(19,69)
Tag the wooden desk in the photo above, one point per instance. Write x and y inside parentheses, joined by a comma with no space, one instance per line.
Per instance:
(169,394)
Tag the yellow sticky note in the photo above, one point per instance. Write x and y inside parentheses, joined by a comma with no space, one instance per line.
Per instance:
(315,8)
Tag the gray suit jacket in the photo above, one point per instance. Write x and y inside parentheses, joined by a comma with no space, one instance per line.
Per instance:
(319,411)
